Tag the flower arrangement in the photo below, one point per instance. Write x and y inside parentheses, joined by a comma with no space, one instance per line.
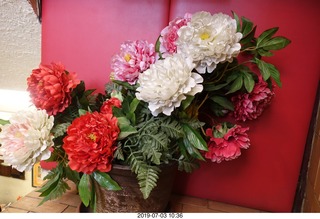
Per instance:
(178,100)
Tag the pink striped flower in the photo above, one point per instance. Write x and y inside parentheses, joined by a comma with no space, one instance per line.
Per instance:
(169,35)
(134,58)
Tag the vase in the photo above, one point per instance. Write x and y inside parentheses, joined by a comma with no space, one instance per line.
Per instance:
(130,198)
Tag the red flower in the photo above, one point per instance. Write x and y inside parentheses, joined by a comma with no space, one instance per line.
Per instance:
(226,142)
(106,108)
(251,105)
(91,142)
(50,87)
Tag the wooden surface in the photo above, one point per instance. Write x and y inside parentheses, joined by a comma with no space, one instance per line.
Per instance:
(70,201)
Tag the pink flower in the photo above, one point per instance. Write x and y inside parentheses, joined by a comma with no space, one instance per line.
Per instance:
(226,142)
(91,142)
(169,35)
(106,108)
(26,140)
(251,105)
(50,87)
(134,58)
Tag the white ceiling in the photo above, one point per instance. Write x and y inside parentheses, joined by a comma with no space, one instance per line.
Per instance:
(20,43)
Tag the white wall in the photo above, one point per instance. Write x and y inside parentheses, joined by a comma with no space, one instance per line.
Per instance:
(20,52)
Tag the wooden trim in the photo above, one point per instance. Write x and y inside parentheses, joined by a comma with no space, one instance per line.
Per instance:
(8,171)
(302,200)
(36,6)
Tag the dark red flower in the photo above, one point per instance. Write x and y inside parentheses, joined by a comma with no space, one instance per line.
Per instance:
(251,105)
(91,142)
(226,142)
(50,87)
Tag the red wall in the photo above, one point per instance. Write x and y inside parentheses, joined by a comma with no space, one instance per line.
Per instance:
(85,34)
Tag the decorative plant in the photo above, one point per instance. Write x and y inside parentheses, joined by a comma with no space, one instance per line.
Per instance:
(176,101)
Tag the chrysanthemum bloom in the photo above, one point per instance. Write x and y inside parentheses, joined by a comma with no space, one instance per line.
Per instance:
(27,139)
(167,82)
(134,58)
(226,142)
(106,107)
(251,105)
(169,35)
(209,40)
(91,142)
(50,87)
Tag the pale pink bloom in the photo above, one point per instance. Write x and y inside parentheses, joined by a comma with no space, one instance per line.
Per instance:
(209,40)
(134,58)
(169,35)
(251,105)
(26,139)
(226,142)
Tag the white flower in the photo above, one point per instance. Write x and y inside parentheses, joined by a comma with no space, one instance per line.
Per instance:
(27,139)
(209,40)
(167,82)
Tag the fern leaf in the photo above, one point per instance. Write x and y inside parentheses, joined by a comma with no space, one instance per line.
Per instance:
(171,127)
(60,129)
(136,162)
(187,165)
(147,179)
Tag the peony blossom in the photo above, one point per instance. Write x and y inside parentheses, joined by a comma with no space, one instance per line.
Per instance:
(91,142)
(106,108)
(134,58)
(209,40)
(167,82)
(50,87)
(226,142)
(251,105)
(169,35)
(26,139)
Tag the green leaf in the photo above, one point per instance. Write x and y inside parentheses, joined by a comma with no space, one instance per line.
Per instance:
(214,87)
(185,103)
(223,101)
(247,26)
(3,122)
(275,43)
(85,189)
(157,47)
(82,112)
(264,68)
(106,181)
(125,127)
(134,104)
(72,174)
(264,52)
(236,85)
(247,40)
(191,150)
(194,137)
(275,74)
(266,35)
(268,70)
(56,192)
(248,81)
(49,185)
(236,17)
